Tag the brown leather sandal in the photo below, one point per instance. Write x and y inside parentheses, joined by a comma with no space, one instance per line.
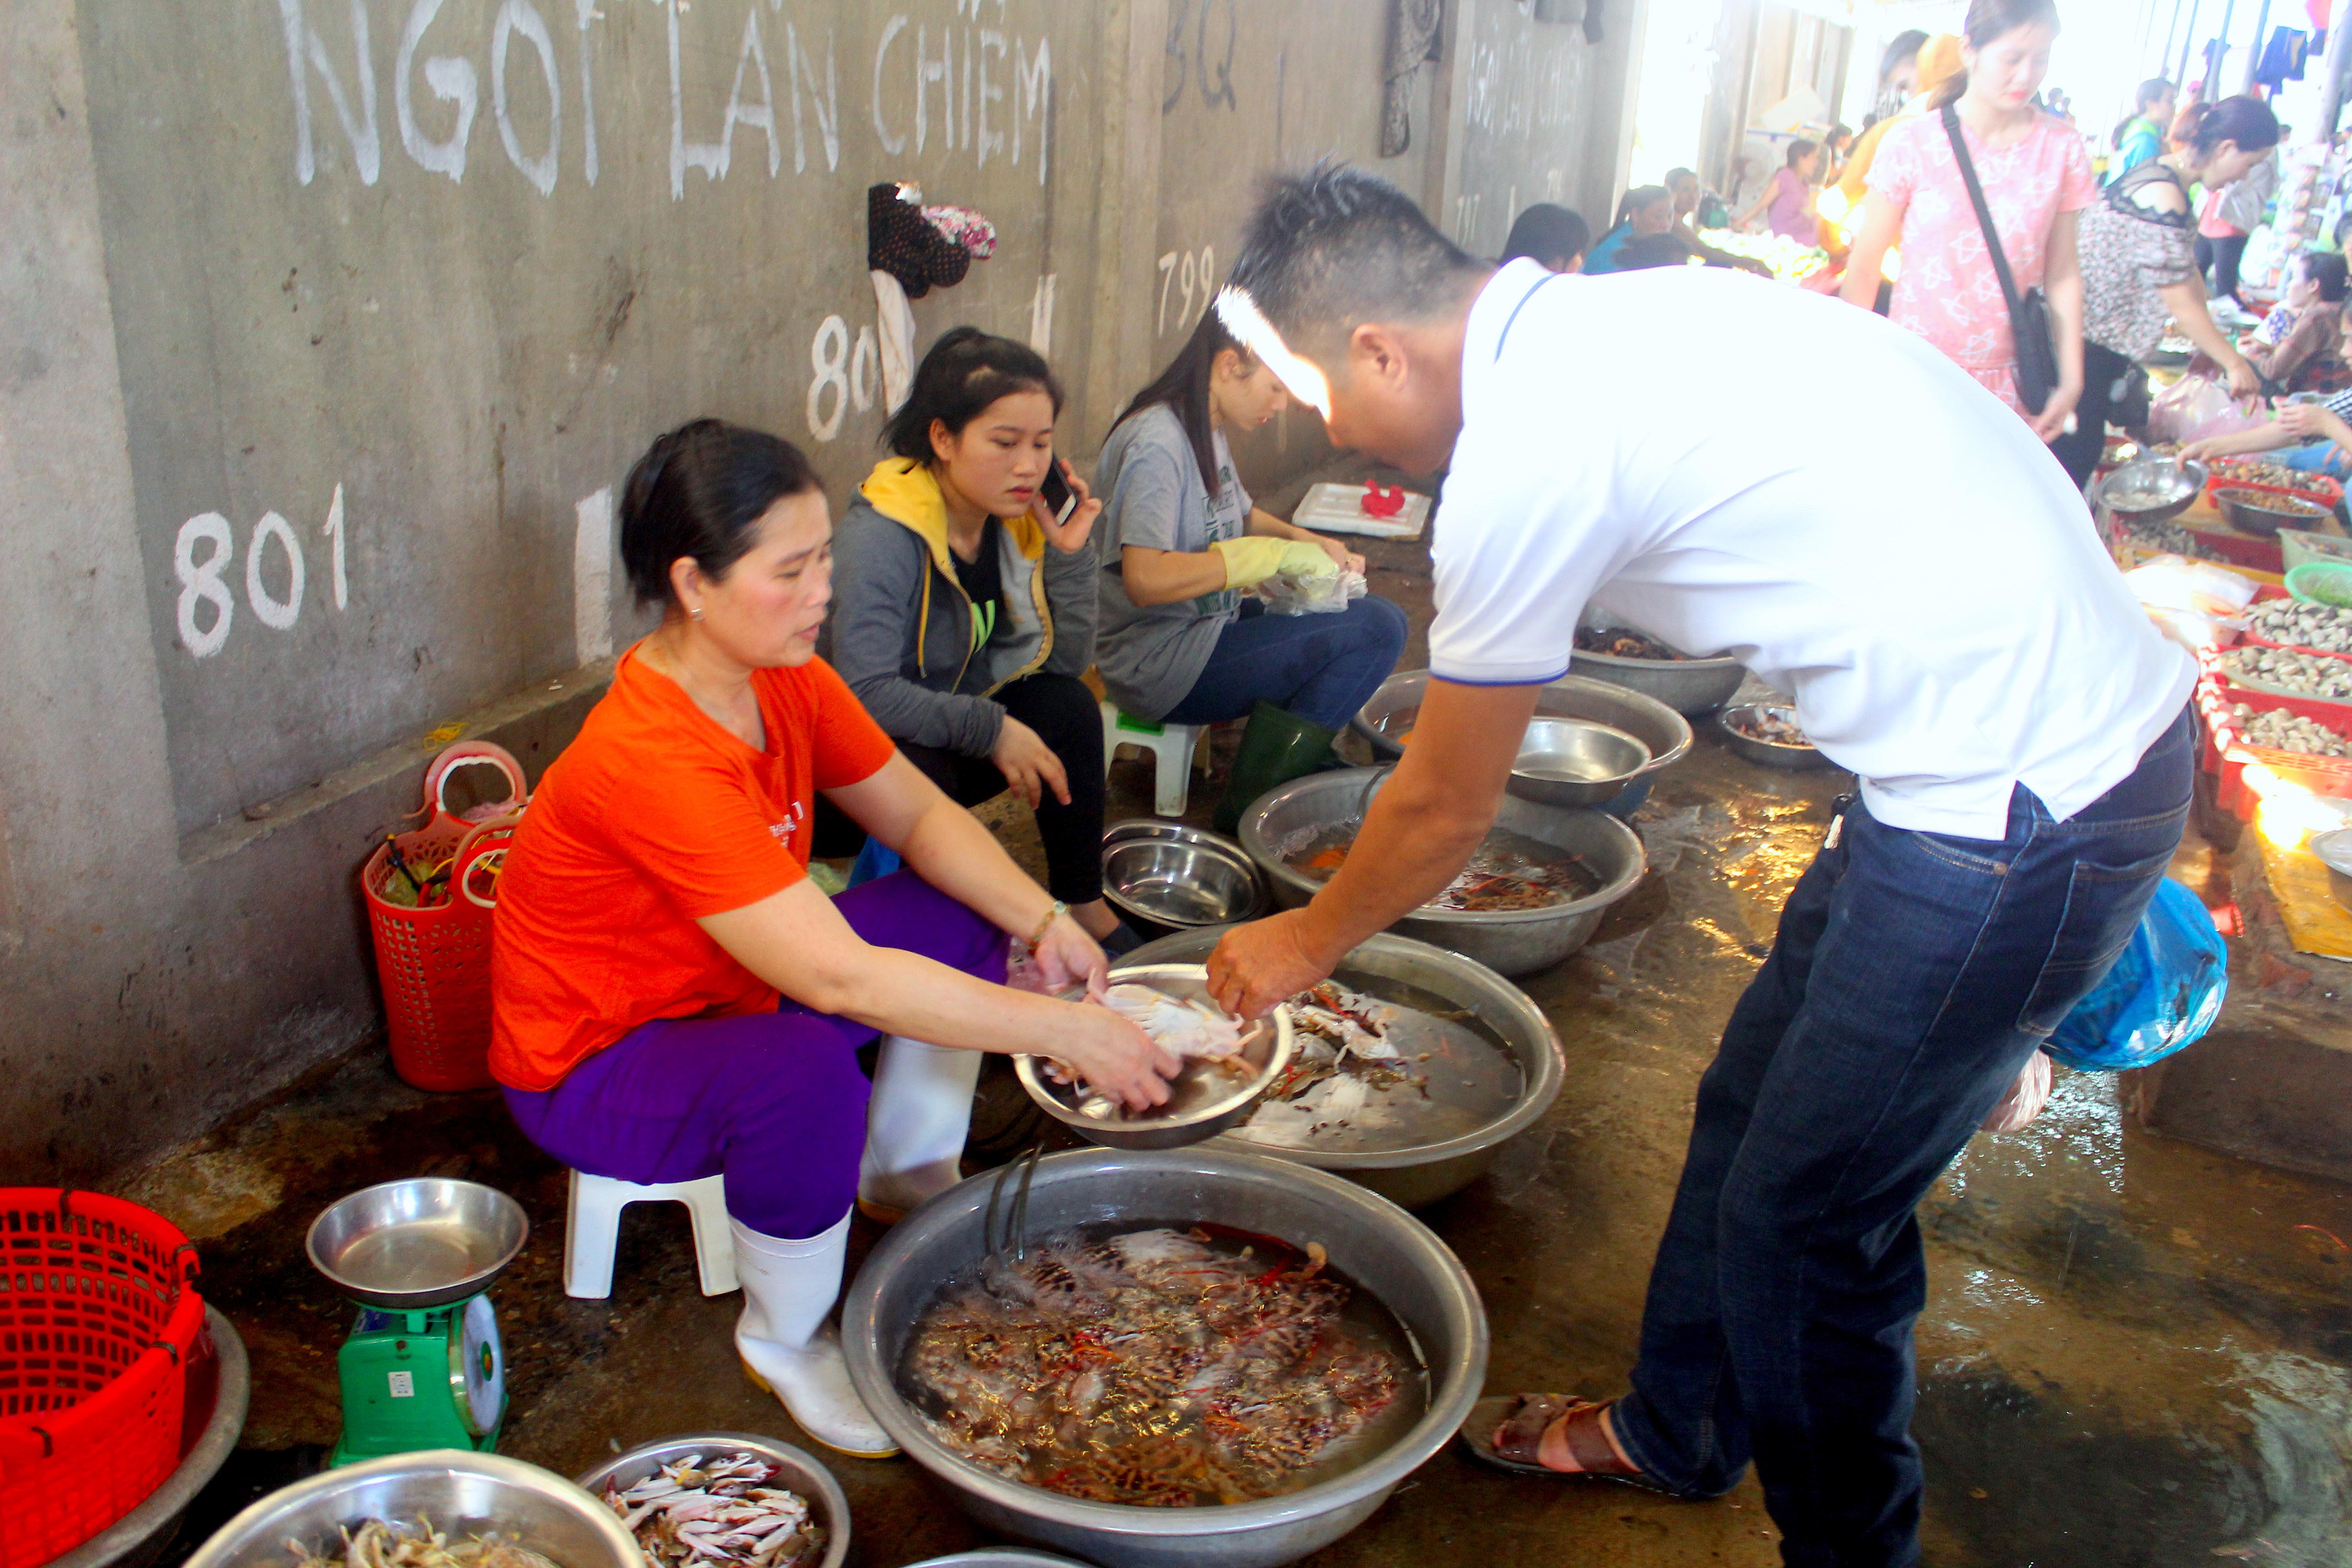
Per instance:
(1508,1432)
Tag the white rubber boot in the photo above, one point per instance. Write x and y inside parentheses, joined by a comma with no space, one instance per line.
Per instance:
(915,1126)
(788,1347)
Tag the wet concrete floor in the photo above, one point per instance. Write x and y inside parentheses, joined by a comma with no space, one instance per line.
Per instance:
(2136,1354)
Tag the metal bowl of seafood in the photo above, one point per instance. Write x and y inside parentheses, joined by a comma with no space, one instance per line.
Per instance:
(1444,1158)
(1386,722)
(1576,762)
(1579,860)
(517,1509)
(1227,1064)
(697,1467)
(1768,734)
(2263,512)
(1687,683)
(1119,1206)
(423,1242)
(1164,876)
(2153,486)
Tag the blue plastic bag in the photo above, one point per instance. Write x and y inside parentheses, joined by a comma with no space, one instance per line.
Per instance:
(2163,993)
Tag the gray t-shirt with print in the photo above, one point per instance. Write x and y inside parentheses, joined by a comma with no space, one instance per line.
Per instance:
(1153,496)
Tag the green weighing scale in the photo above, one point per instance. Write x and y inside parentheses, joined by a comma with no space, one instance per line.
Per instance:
(423,1367)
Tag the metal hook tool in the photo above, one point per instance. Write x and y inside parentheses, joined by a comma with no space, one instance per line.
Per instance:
(1015,1234)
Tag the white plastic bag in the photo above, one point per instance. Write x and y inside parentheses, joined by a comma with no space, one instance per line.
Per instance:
(1312,592)
(2196,409)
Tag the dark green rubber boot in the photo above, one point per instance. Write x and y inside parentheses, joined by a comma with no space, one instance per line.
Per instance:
(1278,747)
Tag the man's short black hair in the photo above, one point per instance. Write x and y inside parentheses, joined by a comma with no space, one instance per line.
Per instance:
(1651,250)
(1332,248)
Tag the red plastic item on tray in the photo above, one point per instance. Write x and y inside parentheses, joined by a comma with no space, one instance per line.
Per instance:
(435,961)
(98,1320)
(1382,501)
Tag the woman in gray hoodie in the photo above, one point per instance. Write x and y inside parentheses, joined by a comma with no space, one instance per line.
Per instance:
(964,609)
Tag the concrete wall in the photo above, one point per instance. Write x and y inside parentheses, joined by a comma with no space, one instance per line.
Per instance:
(331,324)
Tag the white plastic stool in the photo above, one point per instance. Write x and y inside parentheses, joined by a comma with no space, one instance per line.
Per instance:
(593,1224)
(1172,747)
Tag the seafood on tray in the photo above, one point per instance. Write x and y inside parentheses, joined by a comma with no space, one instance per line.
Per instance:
(386,1544)
(2284,731)
(719,1510)
(1344,1068)
(2291,621)
(1506,872)
(1619,643)
(1775,726)
(1158,1368)
(2310,674)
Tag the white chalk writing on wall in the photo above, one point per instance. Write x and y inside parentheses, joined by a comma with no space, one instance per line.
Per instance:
(966,88)
(203,582)
(1197,270)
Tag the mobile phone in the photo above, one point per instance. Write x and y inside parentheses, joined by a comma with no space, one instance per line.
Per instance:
(1055,491)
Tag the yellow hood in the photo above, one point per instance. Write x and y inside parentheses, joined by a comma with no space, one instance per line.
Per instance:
(903,491)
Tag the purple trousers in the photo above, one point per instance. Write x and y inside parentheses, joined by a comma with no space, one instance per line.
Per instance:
(774,1101)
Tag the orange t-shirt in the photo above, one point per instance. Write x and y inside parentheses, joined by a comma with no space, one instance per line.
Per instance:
(654,817)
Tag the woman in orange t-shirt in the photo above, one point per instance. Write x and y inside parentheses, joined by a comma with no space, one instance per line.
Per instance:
(673,999)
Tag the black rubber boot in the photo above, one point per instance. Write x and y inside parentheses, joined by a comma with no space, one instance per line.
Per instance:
(1278,747)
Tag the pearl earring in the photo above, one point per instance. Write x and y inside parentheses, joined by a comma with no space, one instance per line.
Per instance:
(694,614)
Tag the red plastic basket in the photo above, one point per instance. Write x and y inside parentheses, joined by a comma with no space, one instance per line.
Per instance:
(98,1318)
(434,962)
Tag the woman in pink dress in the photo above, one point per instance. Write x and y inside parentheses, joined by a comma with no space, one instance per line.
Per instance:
(2036,178)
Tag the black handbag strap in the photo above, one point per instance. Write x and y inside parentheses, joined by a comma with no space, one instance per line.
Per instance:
(1984,213)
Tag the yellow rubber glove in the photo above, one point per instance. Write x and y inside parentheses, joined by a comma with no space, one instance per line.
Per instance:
(1253,558)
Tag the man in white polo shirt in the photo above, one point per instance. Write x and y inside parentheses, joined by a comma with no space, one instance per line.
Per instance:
(1929,588)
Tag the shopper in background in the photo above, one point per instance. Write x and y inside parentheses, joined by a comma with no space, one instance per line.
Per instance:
(1898,76)
(2296,346)
(1841,206)
(1788,198)
(1695,206)
(2231,213)
(1644,209)
(1183,639)
(2035,177)
(2139,268)
(2141,137)
(1552,234)
(1838,146)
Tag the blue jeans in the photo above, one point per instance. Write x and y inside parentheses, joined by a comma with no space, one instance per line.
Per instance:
(1913,976)
(1321,667)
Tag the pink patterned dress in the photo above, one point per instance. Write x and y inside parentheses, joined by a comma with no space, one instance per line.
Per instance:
(1948,293)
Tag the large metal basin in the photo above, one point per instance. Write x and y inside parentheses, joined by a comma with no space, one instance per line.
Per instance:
(1684,685)
(141,1536)
(462,1492)
(1372,1241)
(1667,732)
(1511,941)
(1416,1177)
